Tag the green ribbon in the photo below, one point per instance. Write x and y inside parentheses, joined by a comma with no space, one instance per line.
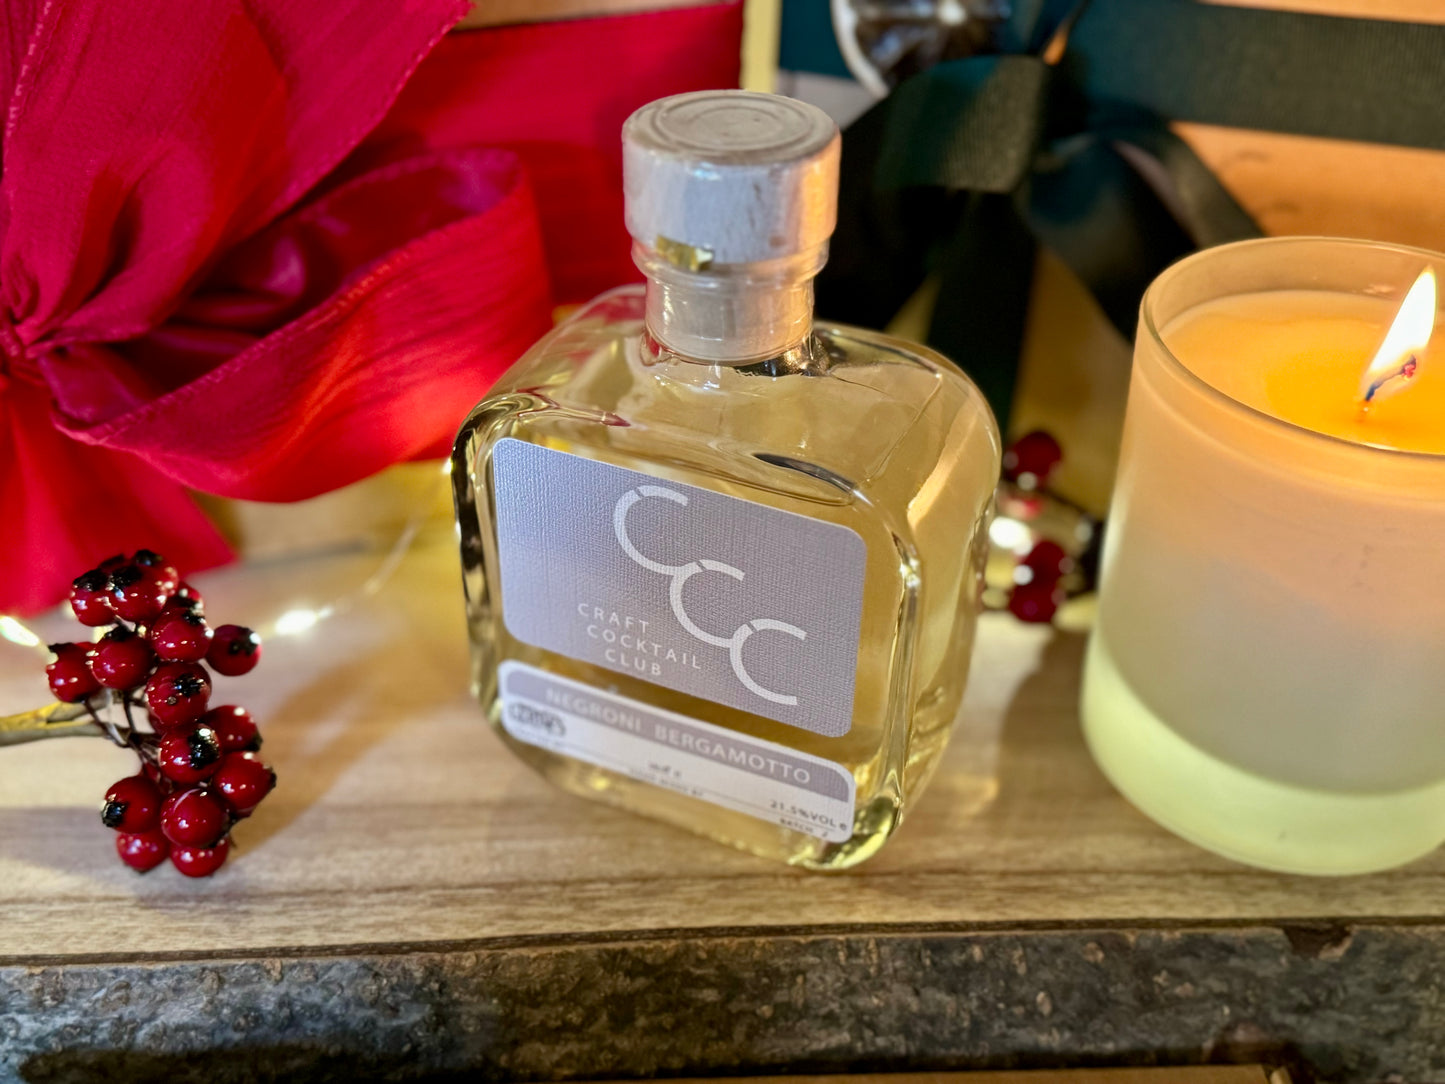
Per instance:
(965,169)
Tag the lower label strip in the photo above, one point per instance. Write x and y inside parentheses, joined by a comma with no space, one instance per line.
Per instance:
(759,778)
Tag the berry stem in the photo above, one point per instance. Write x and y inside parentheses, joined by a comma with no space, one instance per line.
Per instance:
(145,745)
(52,721)
(107,726)
(125,706)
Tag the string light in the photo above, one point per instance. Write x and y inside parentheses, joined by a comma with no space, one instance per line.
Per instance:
(17,633)
(303,619)
(293,622)
(1010,534)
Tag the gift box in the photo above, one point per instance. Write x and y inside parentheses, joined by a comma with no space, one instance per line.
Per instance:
(1075,368)
(267,253)
(379,510)
(1109,139)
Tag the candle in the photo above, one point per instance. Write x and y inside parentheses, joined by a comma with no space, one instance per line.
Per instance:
(1300,355)
(1267,676)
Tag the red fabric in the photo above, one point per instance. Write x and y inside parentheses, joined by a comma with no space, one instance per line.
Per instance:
(556,94)
(193,293)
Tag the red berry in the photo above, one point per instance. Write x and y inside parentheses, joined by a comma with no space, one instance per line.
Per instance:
(181,636)
(1035,602)
(234,651)
(194,818)
(1047,562)
(243,781)
(234,727)
(158,569)
(90,599)
(190,755)
(132,805)
(70,678)
(121,660)
(200,861)
(142,851)
(1031,459)
(136,595)
(177,693)
(186,598)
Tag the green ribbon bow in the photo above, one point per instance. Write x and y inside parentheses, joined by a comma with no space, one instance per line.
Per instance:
(966,168)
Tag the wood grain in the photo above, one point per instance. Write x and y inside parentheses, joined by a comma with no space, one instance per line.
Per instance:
(401,820)
(1416,11)
(1305,185)
(412,901)
(503,12)
(1202,1074)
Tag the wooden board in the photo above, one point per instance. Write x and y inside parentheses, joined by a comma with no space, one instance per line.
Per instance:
(401,818)
(1204,1074)
(412,896)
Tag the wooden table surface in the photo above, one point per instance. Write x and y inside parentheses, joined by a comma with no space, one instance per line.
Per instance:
(403,839)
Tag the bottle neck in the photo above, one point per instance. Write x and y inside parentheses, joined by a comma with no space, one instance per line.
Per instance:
(730,314)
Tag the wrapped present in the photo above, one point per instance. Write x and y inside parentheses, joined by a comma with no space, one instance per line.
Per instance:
(1044,183)
(265,249)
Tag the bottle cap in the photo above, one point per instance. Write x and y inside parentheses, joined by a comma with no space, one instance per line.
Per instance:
(730,176)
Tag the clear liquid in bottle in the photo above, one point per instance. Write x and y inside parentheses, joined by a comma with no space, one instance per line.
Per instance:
(722,564)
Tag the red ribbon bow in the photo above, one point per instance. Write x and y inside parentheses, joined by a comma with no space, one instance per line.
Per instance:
(208,279)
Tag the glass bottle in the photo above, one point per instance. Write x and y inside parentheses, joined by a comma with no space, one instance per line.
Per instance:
(721,563)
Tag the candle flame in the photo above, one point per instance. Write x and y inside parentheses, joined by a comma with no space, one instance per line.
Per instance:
(1398,358)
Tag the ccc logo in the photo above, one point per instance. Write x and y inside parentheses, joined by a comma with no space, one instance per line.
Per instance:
(680,574)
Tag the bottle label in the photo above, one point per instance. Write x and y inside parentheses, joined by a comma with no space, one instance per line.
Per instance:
(721,598)
(760,778)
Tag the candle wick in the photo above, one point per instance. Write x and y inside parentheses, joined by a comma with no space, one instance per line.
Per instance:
(1406,371)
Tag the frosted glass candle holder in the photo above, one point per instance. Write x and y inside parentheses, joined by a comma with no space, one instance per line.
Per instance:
(1267,675)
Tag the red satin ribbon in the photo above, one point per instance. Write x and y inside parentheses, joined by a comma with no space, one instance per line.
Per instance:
(212,276)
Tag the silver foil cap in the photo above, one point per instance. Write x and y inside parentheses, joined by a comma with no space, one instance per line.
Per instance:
(730,176)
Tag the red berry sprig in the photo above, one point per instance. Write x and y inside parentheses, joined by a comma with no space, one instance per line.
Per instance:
(1046,545)
(1029,461)
(199,773)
